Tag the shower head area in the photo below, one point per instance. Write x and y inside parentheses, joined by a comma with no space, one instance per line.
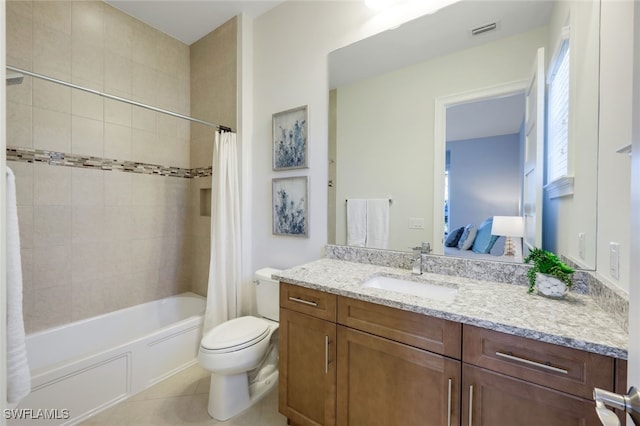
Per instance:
(14,78)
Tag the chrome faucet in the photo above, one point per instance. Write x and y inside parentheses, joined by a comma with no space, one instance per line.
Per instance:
(417,266)
(426,248)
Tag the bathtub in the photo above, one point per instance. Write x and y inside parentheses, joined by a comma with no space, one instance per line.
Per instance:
(81,368)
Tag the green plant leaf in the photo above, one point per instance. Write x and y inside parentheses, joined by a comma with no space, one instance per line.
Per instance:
(546,262)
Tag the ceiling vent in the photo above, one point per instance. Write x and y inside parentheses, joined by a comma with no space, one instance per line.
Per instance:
(484,28)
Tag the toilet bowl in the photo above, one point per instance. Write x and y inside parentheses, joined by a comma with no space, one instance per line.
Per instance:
(242,354)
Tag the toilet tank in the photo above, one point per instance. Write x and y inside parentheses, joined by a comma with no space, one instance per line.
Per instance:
(267,294)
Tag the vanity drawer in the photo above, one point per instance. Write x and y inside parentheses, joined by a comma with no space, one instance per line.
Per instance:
(432,334)
(558,367)
(308,301)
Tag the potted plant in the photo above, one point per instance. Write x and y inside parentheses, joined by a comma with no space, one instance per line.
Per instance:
(549,274)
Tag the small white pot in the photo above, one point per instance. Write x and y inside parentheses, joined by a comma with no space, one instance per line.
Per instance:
(550,286)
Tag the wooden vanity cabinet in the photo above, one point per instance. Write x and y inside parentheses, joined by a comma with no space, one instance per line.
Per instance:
(494,399)
(360,363)
(386,375)
(307,386)
(350,362)
(514,380)
(432,334)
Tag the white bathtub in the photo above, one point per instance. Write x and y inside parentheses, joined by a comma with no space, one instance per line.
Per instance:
(81,368)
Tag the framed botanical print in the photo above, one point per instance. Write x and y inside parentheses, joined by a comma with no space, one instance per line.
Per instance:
(290,139)
(291,206)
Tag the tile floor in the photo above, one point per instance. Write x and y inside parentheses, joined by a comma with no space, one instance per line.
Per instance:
(181,400)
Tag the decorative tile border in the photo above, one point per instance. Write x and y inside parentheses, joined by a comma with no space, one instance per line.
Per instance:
(201,172)
(611,299)
(53,158)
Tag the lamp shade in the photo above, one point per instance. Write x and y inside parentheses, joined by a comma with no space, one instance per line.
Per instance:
(510,226)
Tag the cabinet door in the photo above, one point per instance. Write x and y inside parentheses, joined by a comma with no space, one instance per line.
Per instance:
(383,382)
(307,369)
(493,399)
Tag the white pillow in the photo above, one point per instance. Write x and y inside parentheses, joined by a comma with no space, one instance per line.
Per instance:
(470,239)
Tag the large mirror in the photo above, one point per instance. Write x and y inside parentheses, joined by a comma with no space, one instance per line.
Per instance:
(440,122)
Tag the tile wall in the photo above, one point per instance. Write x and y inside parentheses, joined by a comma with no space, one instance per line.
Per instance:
(213,98)
(94,241)
(97,240)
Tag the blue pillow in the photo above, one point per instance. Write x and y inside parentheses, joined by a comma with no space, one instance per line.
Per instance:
(465,237)
(484,240)
(498,247)
(454,237)
(469,238)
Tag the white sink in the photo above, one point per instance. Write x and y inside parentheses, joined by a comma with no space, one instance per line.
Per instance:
(416,288)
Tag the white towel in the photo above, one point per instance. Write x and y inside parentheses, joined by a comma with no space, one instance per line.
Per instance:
(378,223)
(18,373)
(356,222)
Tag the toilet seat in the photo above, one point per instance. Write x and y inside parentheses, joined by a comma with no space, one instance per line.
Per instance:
(235,335)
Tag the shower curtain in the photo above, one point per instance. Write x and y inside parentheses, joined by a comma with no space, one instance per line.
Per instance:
(224,267)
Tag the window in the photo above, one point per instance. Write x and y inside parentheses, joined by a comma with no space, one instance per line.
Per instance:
(558,114)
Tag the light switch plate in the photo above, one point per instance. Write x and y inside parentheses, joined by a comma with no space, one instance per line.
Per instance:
(416,223)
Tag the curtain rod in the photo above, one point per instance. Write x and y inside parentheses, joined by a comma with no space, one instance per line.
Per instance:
(118,98)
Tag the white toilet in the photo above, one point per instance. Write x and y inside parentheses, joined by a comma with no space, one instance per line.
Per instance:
(242,354)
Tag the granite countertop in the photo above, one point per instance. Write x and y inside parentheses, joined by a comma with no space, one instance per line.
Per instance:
(576,321)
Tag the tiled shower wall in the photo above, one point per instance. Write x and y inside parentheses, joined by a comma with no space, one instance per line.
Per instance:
(213,98)
(95,240)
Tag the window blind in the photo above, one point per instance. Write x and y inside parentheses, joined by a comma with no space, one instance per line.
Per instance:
(558,116)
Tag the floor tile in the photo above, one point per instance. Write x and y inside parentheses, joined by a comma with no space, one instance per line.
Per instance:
(181,400)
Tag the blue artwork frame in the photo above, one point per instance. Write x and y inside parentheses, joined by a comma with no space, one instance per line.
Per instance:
(290,198)
(290,129)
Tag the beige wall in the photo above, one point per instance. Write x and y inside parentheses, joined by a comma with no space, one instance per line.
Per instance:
(213,87)
(95,45)
(213,98)
(614,169)
(291,44)
(92,240)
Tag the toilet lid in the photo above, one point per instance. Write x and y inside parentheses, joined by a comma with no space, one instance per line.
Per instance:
(235,334)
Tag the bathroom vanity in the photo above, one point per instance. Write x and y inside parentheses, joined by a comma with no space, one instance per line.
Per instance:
(352,355)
